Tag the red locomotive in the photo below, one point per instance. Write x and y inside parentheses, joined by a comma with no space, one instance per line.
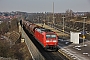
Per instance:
(47,38)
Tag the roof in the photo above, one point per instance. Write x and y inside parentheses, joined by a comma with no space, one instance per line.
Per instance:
(43,30)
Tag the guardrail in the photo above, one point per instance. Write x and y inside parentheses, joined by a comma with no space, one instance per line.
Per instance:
(36,55)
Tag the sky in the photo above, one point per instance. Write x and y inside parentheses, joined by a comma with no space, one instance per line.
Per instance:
(44,5)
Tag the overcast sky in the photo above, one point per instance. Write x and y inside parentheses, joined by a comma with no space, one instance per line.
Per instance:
(44,5)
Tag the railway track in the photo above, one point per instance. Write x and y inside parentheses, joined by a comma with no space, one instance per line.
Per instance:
(48,55)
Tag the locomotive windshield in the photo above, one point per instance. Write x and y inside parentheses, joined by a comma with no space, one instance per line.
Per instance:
(50,36)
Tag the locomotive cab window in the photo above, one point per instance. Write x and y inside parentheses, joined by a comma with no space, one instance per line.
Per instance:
(50,36)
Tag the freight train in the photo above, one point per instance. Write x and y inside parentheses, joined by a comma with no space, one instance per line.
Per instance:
(47,38)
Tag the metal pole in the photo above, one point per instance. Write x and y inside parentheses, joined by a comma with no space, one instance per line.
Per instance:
(53,14)
(38,19)
(48,20)
(83,29)
(63,26)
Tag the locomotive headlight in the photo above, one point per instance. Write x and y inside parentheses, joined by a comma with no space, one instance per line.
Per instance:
(54,40)
(47,40)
